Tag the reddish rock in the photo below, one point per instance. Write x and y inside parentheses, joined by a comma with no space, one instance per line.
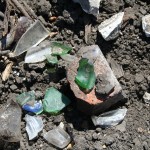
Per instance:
(95,102)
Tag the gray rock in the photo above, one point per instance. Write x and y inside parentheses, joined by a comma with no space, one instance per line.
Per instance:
(13,87)
(112,5)
(121,127)
(103,86)
(137,142)
(98,145)
(139,78)
(1,86)
(109,140)
(130,2)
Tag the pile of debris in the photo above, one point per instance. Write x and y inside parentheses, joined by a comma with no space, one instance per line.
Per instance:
(92,78)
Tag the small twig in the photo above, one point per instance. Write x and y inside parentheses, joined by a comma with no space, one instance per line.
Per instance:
(29,10)
(6,18)
(15,8)
(21,8)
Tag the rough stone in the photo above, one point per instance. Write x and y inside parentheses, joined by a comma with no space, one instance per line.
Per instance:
(139,78)
(121,127)
(130,2)
(113,5)
(13,87)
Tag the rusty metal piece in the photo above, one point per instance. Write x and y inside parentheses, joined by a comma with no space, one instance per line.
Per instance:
(94,102)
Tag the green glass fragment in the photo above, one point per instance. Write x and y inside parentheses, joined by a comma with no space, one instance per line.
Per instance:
(85,77)
(54,101)
(60,49)
(52,59)
(25,97)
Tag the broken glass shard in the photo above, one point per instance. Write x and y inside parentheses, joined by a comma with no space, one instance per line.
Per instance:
(31,38)
(22,25)
(25,97)
(10,122)
(36,108)
(85,77)
(60,48)
(58,137)
(33,126)
(110,118)
(51,59)
(38,53)
(54,101)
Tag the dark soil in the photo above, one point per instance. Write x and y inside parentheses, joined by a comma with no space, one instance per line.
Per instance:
(131,49)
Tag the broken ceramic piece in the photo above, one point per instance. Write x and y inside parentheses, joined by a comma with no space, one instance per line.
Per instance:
(54,101)
(95,101)
(109,29)
(89,6)
(85,77)
(36,107)
(10,123)
(58,137)
(25,97)
(33,125)
(110,118)
(146,98)
(38,53)
(31,38)
(146,25)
